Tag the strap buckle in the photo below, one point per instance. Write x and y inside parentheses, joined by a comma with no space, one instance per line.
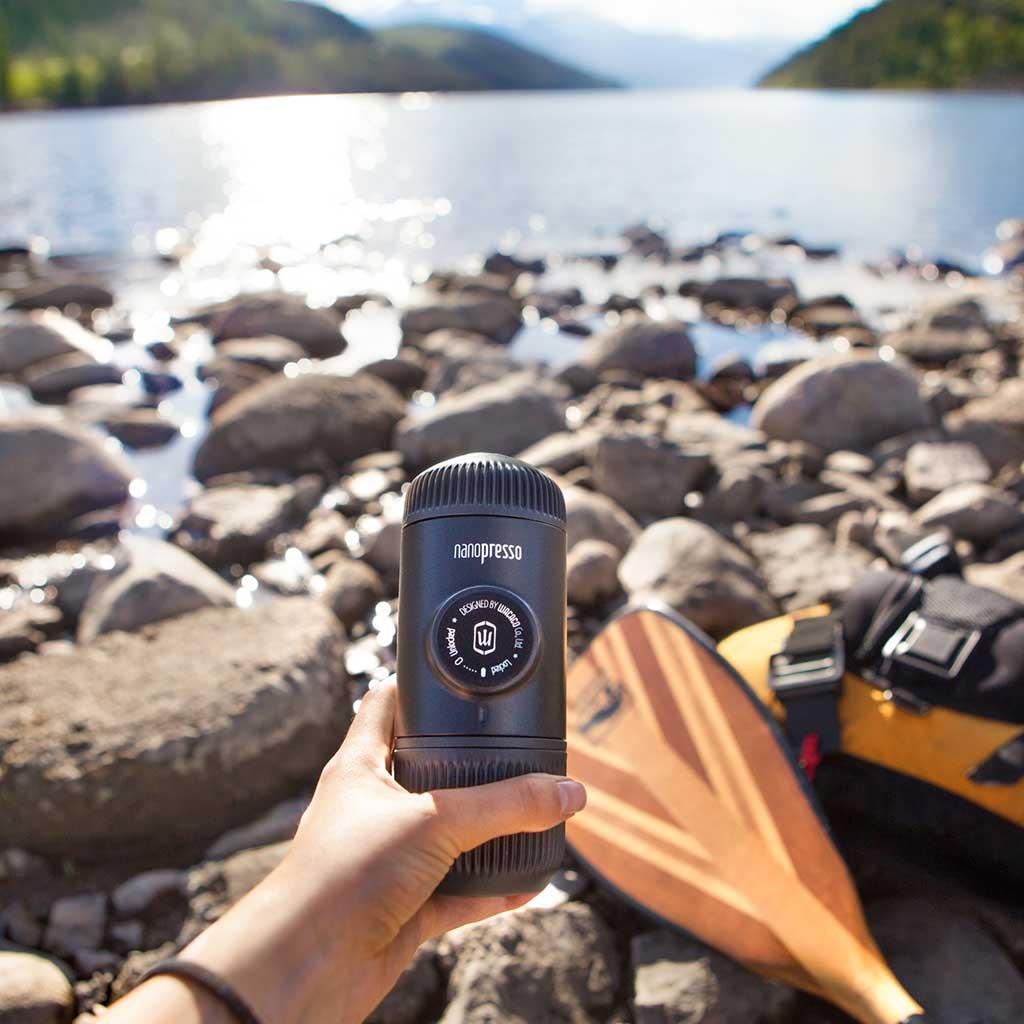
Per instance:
(813,661)
(928,647)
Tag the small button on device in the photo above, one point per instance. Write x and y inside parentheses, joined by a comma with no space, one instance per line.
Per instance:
(484,640)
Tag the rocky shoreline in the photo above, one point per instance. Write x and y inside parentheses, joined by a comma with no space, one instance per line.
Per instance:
(172,678)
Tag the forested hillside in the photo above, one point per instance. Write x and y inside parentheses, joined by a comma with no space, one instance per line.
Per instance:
(104,52)
(928,44)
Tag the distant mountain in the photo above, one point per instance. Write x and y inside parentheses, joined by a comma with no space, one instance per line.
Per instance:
(927,44)
(488,57)
(101,52)
(605,47)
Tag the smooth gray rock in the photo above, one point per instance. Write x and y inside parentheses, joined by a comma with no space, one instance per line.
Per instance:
(593,516)
(138,428)
(234,523)
(561,452)
(29,340)
(803,566)
(1003,408)
(848,401)
(938,345)
(53,473)
(645,474)
(931,468)
(971,511)
(693,569)
(504,418)
(33,989)
(317,331)
(678,980)
(161,581)
(530,966)
(20,925)
(352,590)
(161,740)
(592,574)
(496,317)
(76,923)
(713,432)
(54,380)
(748,292)
(300,423)
(652,348)
(140,893)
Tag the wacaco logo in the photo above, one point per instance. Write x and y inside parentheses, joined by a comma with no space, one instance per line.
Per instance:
(482,551)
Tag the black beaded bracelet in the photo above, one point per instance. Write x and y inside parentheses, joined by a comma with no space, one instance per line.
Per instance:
(207,980)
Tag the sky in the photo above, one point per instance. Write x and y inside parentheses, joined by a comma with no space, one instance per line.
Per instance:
(718,19)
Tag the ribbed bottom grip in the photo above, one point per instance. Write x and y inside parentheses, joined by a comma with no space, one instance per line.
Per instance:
(510,864)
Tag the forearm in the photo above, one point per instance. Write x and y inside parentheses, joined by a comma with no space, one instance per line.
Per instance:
(271,949)
(166,1000)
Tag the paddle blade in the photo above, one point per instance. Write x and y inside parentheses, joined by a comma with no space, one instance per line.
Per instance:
(698,813)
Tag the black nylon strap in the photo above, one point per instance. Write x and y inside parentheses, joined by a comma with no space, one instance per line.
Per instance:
(209,982)
(805,676)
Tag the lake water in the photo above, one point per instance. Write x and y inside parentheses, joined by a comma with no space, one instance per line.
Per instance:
(344,194)
(429,179)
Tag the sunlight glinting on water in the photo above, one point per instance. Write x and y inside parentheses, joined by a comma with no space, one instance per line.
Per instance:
(288,165)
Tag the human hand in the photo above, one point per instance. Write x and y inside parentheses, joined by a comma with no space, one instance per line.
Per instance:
(326,935)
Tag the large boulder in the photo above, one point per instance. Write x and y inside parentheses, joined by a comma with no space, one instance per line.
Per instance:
(645,474)
(848,401)
(693,569)
(33,989)
(35,339)
(494,316)
(159,741)
(504,417)
(160,582)
(318,331)
(531,966)
(593,516)
(649,347)
(298,423)
(52,473)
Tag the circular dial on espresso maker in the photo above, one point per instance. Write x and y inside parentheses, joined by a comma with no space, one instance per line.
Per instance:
(484,640)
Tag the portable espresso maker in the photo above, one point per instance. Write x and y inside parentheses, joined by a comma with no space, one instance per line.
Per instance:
(481,649)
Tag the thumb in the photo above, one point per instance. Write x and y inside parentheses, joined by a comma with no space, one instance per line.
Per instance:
(526,803)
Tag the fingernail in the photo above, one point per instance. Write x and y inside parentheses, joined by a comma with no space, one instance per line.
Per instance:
(572,797)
